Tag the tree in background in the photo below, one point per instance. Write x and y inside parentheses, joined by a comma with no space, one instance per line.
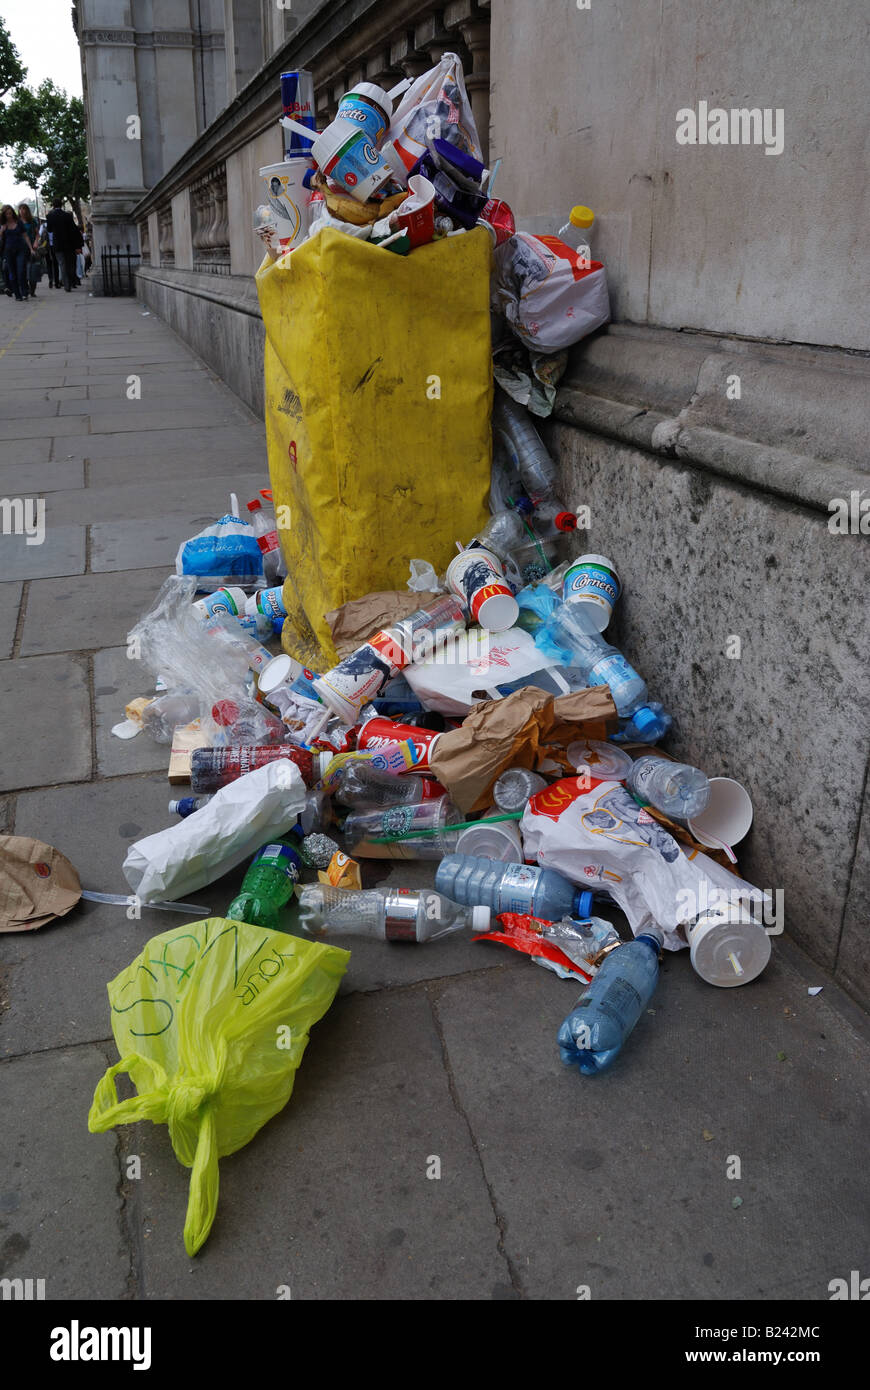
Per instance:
(43,133)
(12,70)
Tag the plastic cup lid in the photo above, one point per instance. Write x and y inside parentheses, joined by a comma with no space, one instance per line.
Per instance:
(498,612)
(728,949)
(374,93)
(490,842)
(602,760)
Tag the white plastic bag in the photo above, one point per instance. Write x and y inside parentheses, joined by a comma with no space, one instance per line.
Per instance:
(478,665)
(597,835)
(435,107)
(236,822)
(547,297)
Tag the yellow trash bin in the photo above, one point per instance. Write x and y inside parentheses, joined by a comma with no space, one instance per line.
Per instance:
(378,400)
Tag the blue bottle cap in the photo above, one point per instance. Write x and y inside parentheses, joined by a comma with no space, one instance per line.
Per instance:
(645,720)
(583,904)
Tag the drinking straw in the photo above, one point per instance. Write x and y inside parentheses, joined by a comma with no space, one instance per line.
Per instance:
(443,829)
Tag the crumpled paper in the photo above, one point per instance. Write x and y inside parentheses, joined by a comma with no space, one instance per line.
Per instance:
(356,621)
(523,730)
(37,884)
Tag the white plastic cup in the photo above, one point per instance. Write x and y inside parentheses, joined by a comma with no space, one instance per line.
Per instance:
(477,577)
(591,586)
(345,154)
(501,840)
(727,816)
(728,946)
(230,600)
(281,670)
(288,198)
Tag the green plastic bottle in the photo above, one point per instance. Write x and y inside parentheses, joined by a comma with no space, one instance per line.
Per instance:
(268,884)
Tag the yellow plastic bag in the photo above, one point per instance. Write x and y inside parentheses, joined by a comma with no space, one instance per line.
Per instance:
(378,402)
(211,1022)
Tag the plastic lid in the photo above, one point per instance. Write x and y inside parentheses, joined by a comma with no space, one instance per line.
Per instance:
(278,671)
(728,948)
(583,904)
(372,92)
(480,918)
(255,505)
(604,761)
(653,936)
(645,719)
(565,521)
(581,216)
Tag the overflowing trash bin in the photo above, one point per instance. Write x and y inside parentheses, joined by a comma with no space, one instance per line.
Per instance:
(397,650)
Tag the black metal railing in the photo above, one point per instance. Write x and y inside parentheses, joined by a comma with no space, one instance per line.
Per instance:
(118,270)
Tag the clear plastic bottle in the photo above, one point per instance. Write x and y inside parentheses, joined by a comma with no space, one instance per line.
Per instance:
(530,457)
(647,724)
(366,788)
(502,887)
(514,787)
(504,533)
(575,233)
(213,768)
(363,829)
(595,1030)
(268,884)
(563,639)
(167,713)
(398,914)
(266,531)
(677,790)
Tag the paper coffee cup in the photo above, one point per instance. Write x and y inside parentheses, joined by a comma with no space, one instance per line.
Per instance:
(727,946)
(416,215)
(288,198)
(727,816)
(477,577)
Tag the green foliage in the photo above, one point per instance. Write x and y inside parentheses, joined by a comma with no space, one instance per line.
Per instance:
(12,70)
(42,133)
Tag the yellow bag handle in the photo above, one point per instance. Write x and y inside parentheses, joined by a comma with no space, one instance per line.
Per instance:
(107,1111)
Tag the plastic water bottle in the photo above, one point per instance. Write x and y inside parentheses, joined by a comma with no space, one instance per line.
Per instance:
(647,724)
(599,1023)
(268,884)
(514,787)
(676,789)
(366,788)
(501,887)
(531,459)
(266,532)
(504,533)
(575,233)
(398,914)
(167,713)
(563,639)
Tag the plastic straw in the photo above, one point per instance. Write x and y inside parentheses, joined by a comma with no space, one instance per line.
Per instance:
(445,829)
(125,900)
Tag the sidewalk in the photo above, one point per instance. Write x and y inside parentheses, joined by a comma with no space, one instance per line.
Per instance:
(548,1181)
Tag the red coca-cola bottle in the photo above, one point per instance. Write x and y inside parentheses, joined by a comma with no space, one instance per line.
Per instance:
(213,768)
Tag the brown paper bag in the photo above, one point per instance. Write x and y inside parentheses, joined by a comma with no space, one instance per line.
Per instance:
(523,730)
(355,622)
(37,884)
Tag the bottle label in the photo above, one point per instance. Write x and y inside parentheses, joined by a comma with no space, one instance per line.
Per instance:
(621,1002)
(280,857)
(400,914)
(517,888)
(613,671)
(591,583)
(268,542)
(398,820)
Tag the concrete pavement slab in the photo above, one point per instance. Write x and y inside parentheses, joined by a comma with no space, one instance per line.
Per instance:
(163,467)
(24,451)
(92,610)
(38,478)
(137,544)
(142,499)
(190,384)
(155,418)
(61,1212)
(620,1181)
(145,442)
(10,603)
(332,1197)
(37,429)
(37,404)
(47,718)
(61,552)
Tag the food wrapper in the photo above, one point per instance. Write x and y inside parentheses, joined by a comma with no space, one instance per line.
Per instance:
(353,623)
(37,884)
(525,729)
(343,872)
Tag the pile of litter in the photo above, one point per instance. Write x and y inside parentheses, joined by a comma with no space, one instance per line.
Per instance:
(478,718)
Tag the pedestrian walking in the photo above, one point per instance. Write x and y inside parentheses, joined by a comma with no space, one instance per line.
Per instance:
(35,266)
(66,238)
(17,248)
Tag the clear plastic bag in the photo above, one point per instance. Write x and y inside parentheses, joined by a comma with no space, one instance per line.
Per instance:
(435,107)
